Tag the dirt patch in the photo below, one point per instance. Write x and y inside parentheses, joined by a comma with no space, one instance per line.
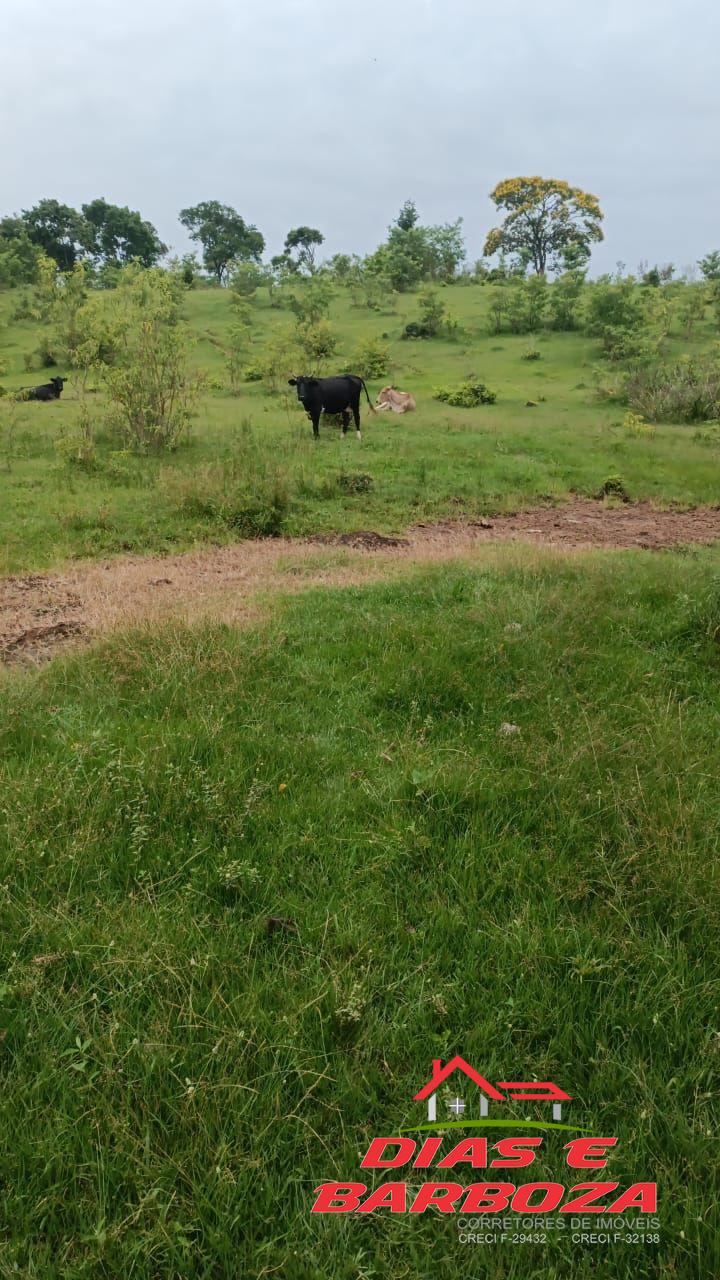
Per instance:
(41,613)
(37,643)
(367,539)
(588,523)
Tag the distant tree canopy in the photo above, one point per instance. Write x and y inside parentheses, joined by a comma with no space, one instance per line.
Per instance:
(57,230)
(225,237)
(546,220)
(116,235)
(408,216)
(710,265)
(103,232)
(304,241)
(19,257)
(413,253)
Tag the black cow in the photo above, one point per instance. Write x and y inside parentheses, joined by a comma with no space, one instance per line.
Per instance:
(51,390)
(332,395)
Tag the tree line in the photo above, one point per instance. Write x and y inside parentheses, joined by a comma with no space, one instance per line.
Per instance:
(546,226)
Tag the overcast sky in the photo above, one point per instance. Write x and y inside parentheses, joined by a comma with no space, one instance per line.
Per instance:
(332,112)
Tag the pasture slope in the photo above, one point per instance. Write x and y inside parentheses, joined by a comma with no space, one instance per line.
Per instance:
(437,463)
(255,878)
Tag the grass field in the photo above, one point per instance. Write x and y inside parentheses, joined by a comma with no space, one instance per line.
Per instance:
(253,880)
(438,461)
(177,1080)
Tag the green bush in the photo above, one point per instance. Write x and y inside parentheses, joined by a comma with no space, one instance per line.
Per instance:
(616,316)
(371,359)
(433,318)
(355,481)
(317,342)
(468,395)
(686,391)
(613,487)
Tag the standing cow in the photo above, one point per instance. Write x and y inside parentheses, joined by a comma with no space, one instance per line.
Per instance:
(332,395)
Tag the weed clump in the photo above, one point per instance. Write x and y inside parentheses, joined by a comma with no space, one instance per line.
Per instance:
(468,395)
(355,482)
(613,487)
(686,391)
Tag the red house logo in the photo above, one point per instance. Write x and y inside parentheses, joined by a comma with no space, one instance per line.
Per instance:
(503,1091)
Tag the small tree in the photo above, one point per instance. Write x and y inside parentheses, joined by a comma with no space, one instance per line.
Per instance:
(151,388)
(317,342)
(564,300)
(341,266)
(693,301)
(312,302)
(446,249)
(246,279)
(225,236)
(616,317)
(278,359)
(304,242)
(710,265)
(545,219)
(243,287)
(238,347)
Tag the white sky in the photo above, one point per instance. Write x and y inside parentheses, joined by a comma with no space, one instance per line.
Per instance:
(333,112)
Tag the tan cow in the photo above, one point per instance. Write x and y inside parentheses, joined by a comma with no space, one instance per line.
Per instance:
(396,401)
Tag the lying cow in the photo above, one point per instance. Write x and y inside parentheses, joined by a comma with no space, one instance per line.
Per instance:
(397,401)
(332,395)
(51,390)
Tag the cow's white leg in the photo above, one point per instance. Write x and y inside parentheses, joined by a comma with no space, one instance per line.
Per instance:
(359,435)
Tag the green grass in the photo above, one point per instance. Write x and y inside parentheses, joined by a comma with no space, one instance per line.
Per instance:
(176,1080)
(436,462)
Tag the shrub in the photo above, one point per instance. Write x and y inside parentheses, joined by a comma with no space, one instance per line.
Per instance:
(276,361)
(238,339)
(312,303)
(317,342)
(686,391)
(635,425)
(46,354)
(613,487)
(355,481)
(468,395)
(616,317)
(564,300)
(372,359)
(77,447)
(532,353)
(151,388)
(415,330)
(433,318)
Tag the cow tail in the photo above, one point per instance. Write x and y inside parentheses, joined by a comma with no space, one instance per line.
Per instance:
(372,406)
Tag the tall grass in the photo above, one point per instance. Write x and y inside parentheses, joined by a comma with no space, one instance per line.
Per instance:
(686,391)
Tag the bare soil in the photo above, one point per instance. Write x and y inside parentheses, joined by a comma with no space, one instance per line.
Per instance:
(42,613)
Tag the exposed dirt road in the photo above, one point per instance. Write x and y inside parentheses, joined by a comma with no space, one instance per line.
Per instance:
(40,613)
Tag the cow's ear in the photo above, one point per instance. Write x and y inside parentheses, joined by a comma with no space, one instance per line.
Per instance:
(292,382)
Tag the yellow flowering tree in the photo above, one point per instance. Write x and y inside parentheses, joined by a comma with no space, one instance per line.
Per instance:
(546,222)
